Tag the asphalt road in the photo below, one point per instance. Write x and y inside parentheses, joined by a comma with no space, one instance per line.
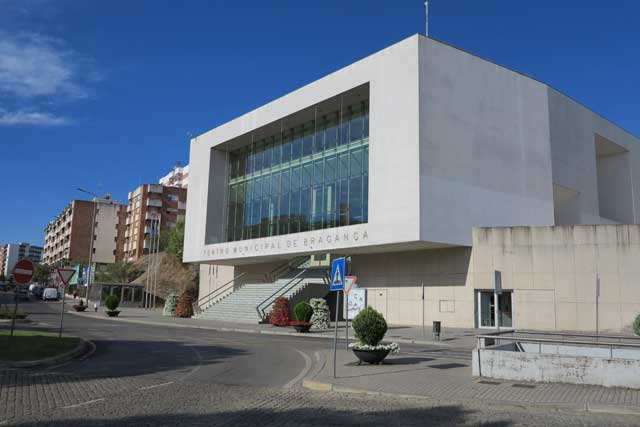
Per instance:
(149,375)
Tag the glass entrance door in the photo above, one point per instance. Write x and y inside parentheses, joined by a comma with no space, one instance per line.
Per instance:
(492,306)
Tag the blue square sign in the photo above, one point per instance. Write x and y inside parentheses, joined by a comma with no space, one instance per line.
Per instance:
(337,274)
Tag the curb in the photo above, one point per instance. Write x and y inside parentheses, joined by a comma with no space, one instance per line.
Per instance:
(245,330)
(85,348)
(561,407)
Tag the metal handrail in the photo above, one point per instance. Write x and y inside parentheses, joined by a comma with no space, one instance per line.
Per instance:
(260,310)
(219,290)
(567,334)
(481,338)
(289,265)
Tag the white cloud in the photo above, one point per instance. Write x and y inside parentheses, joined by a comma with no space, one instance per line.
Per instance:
(32,65)
(38,118)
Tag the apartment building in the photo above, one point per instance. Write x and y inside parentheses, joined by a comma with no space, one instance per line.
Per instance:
(68,236)
(147,202)
(178,177)
(11,253)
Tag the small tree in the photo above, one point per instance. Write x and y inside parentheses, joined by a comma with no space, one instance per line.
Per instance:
(42,273)
(185,305)
(175,242)
(636,325)
(369,326)
(303,311)
(279,315)
(320,317)
(118,272)
(112,302)
(170,305)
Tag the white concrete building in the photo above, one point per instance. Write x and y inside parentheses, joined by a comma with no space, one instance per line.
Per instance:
(178,177)
(393,160)
(11,253)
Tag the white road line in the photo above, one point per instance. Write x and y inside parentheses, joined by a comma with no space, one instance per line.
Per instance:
(83,403)
(155,385)
(303,373)
(195,369)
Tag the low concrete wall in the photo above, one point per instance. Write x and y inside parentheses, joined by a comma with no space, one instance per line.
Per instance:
(545,367)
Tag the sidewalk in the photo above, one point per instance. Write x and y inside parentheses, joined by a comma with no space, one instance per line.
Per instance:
(451,337)
(445,375)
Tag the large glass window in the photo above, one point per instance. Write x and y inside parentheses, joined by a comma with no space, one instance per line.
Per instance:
(309,177)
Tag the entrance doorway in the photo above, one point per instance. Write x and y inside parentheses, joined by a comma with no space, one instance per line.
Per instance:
(492,306)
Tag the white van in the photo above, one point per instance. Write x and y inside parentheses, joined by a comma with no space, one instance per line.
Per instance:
(50,294)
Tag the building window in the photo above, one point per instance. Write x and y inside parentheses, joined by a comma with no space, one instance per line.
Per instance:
(312,176)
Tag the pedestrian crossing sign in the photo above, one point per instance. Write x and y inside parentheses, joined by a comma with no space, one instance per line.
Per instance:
(337,274)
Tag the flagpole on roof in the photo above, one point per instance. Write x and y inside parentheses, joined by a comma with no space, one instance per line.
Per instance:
(426,23)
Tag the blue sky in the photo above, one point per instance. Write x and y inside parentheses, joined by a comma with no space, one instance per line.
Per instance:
(101,94)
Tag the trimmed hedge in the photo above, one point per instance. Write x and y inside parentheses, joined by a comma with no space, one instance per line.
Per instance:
(636,325)
(112,302)
(303,311)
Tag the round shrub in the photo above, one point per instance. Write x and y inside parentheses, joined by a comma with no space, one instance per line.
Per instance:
(303,311)
(185,305)
(112,302)
(369,326)
(320,317)
(279,315)
(636,325)
(170,305)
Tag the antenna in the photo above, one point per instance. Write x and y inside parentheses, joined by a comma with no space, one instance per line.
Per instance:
(426,23)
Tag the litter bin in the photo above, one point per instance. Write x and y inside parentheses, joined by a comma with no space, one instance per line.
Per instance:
(436,329)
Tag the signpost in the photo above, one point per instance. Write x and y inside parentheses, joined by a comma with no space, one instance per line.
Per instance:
(65,275)
(349,282)
(337,284)
(22,274)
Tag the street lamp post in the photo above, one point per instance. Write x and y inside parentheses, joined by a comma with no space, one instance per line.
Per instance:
(93,231)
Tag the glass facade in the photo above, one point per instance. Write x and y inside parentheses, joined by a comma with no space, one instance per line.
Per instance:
(309,177)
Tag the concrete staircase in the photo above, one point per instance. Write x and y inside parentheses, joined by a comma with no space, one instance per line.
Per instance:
(240,305)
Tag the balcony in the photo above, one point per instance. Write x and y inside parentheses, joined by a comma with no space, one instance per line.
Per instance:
(155,188)
(154,202)
(153,215)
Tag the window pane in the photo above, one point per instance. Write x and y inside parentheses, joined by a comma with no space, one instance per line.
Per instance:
(355,200)
(286,182)
(296,150)
(343,165)
(307,174)
(356,162)
(295,178)
(355,129)
(307,142)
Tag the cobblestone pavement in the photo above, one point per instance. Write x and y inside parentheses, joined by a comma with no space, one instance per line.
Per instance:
(222,405)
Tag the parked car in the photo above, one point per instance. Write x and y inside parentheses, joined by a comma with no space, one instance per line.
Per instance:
(50,294)
(36,290)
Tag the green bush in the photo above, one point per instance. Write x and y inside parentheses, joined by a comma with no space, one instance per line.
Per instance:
(112,302)
(369,326)
(303,311)
(636,325)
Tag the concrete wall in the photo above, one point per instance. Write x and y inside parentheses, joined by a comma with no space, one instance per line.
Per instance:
(485,158)
(394,285)
(573,133)
(521,366)
(552,272)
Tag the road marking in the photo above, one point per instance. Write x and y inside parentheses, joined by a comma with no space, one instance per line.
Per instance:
(305,370)
(155,385)
(195,369)
(83,403)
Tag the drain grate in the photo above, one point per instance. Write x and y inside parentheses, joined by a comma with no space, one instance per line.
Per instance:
(523,385)
(488,382)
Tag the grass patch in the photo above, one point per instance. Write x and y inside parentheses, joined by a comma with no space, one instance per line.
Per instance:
(8,314)
(33,345)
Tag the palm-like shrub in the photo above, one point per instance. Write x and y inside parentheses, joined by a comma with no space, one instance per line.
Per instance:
(279,315)
(320,316)
(303,311)
(369,326)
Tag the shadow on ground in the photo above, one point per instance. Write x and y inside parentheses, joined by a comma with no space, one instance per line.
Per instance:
(440,416)
(127,358)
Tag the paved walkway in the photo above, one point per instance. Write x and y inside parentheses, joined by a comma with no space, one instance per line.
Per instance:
(451,337)
(445,375)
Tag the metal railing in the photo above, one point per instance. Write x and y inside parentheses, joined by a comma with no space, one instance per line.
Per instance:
(219,291)
(260,308)
(274,274)
(496,339)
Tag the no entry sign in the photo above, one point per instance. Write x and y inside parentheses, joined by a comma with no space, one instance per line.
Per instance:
(23,271)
